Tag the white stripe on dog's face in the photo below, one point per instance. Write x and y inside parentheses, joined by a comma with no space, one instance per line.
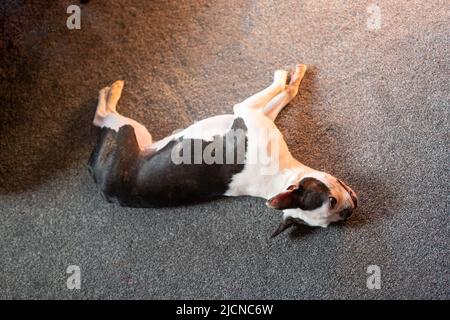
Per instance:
(319,217)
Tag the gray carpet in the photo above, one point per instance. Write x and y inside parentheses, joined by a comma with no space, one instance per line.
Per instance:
(372,110)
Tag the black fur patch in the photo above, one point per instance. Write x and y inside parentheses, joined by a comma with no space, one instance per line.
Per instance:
(113,163)
(135,179)
(312,193)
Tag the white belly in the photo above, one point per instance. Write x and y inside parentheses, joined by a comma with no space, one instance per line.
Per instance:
(205,129)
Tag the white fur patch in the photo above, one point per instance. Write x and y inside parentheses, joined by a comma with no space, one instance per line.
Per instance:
(205,130)
(318,217)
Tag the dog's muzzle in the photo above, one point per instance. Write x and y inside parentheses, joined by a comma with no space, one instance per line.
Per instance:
(352,196)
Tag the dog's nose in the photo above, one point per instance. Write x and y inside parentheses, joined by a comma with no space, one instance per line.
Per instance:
(346,214)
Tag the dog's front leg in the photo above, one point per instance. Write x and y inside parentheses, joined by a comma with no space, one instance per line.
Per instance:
(260,99)
(273,108)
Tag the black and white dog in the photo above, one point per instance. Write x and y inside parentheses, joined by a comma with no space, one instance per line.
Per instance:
(227,155)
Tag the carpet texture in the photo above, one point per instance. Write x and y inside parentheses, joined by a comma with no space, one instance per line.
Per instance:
(373,110)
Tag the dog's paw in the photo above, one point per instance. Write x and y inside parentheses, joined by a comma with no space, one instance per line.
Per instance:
(297,74)
(117,85)
(280,77)
(104,92)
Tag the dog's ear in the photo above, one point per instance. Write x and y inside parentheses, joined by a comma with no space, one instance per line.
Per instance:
(308,195)
(285,200)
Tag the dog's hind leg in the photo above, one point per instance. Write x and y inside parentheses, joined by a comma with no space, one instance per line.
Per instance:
(261,98)
(101,113)
(273,108)
(107,115)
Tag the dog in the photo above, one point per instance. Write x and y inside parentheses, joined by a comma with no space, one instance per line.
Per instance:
(240,154)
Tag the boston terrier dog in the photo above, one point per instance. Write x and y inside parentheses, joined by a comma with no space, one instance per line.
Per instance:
(240,154)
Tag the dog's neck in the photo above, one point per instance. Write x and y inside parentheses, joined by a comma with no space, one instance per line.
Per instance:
(289,174)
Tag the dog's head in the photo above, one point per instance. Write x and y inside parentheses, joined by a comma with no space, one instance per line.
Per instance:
(318,199)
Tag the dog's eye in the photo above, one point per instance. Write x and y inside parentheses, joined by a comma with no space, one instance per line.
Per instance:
(292,187)
(333,202)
